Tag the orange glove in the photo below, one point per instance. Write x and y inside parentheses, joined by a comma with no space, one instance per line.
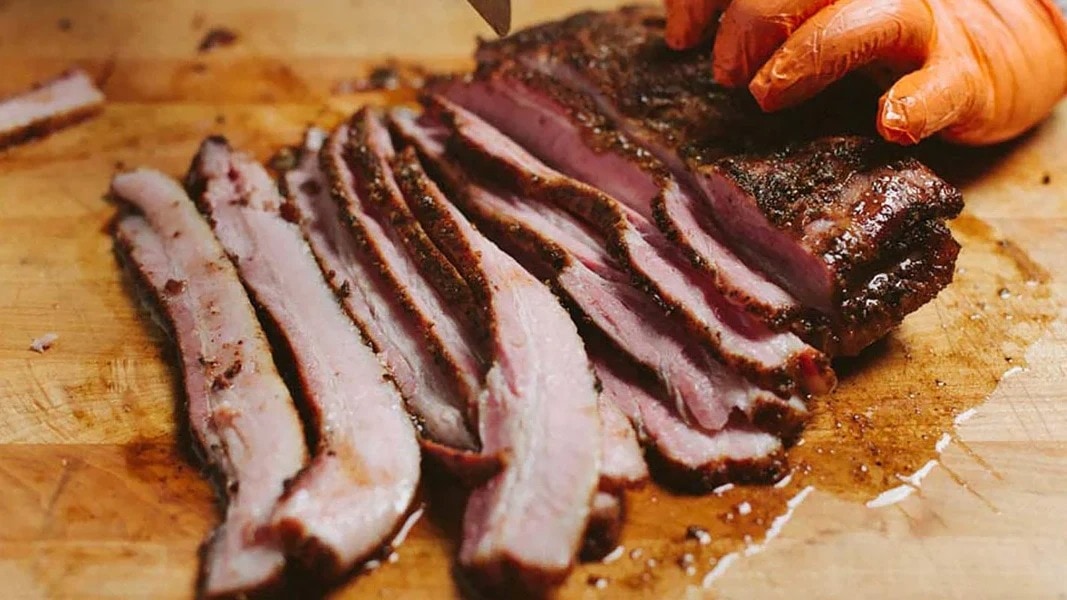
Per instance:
(977,71)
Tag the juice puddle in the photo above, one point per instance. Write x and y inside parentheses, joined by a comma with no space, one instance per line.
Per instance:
(870,442)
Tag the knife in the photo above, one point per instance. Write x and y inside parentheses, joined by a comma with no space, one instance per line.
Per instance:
(495,12)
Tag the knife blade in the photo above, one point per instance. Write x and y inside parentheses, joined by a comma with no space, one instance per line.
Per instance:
(495,12)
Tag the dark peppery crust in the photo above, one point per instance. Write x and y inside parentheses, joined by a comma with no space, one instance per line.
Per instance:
(916,278)
(369,163)
(335,165)
(415,185)
(806,183)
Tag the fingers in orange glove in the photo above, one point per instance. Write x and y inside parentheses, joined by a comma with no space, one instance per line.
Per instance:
(1021,57)
(689,21)
(927,101)
(751,31)
(980,94)
(840,38)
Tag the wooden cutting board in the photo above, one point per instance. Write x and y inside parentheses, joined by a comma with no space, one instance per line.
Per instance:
(99,500)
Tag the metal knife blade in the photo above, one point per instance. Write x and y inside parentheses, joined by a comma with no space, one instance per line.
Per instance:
(495,12)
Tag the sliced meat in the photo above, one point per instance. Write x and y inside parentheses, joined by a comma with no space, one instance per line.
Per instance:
(68,99)
(240,411)
(354,269)
(685,457)
(564,128)
(552,245)
(442,330)
(806,213)
(353,496)
(539,409)
(780,362)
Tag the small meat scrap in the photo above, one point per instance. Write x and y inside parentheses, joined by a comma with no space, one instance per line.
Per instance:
(389,76)
(47,107)
(217,37)
(44,342)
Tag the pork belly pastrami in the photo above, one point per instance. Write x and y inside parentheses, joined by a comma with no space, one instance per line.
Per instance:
(539,408)
(239,410)
(353,496)
(780,362)
(65,100)
(785,191)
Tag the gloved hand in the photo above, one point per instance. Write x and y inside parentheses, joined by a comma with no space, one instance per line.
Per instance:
(977,71)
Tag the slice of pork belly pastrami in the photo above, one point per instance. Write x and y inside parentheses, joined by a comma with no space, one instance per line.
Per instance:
(710,138)
(777,361)
(353,264)
(553,244)
(239,410)
(684,457)
(352,497)
(442,330)
(564,128)
(63,101)
(825,214)
(539,407)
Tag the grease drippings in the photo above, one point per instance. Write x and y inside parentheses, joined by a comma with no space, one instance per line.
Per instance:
(885,423)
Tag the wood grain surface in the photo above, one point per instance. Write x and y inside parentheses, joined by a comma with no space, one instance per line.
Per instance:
(100,499)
